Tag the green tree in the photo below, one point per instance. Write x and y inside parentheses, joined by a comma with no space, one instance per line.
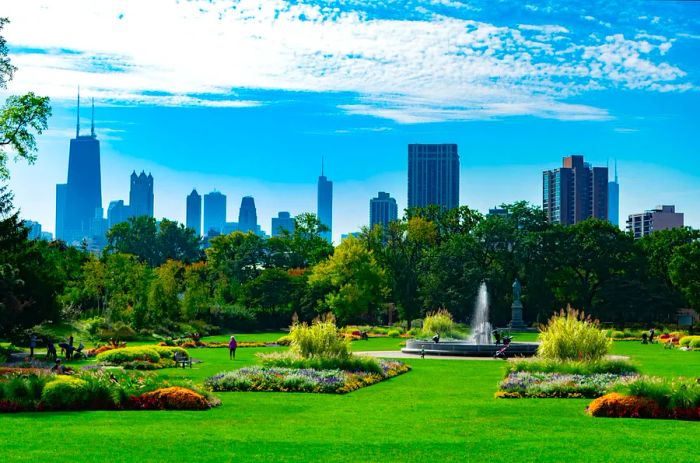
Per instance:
(355,281)
(198,298)
(126,287)
(21,116)
(238,256)
(684,270)
(164,294)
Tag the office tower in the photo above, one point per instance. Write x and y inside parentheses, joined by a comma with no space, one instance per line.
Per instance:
(46,236)
(118,212)
(229,227)
(575,192)
(83,191)
(247,216)
(382,210)
(60,210)
(433,175)
(283,222)
(498,212)
(660,218)
(34,229)
(194,212)
(325,205)
(141,194)
(214,212)
(614,200)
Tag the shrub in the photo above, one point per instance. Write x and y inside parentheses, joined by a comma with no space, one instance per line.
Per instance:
(571,335)
(394,333)
(173,398)
(350,363)
(284,340)
(439,322)
(129,354)
(573,367)
(690,341)
(667,393)
(168,352)
(615,405)
(65,393)
(321,339)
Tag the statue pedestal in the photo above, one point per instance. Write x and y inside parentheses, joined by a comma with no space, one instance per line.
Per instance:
(516,316)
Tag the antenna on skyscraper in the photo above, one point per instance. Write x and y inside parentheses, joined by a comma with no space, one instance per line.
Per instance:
(77,126)
(615,170)
(92,122)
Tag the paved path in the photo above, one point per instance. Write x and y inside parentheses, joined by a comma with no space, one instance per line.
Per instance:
(397,354)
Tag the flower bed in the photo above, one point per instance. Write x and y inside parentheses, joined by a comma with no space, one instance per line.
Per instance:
(99,389)
(274,379)
(524,384)
(616,405)
(194,344)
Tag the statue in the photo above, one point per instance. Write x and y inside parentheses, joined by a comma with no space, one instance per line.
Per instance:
(516,291)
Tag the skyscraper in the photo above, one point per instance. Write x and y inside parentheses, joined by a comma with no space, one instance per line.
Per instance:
(117,212)
(141,194)
(382,210)
(247,216)
(194,212)
(614,200)
(433,175)
(83,191)
(325,204)
(214,212)
(283,222)
(575,192)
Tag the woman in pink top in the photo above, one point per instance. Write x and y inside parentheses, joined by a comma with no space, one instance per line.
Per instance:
(232,344)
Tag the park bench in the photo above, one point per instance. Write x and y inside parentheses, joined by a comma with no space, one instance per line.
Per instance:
(182,360)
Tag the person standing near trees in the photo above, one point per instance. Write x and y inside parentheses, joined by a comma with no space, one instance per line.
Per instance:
(232,344)
(32,345)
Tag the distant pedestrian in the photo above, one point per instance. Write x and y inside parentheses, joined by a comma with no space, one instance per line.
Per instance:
(71,349)
(644,338)
(232,344)
(652,332)
(497,336)
(32,345)
(50,349)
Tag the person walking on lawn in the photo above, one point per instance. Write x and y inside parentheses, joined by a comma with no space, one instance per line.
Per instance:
(232,344)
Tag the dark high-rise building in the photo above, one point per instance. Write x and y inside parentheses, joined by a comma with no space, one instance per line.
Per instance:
(433,175)
(118,212)
(141,194)
(575,192)
(283,222)
(659,218)
(614,200)
(60,210)
(382,210)
(325,205)
(214,212)
(194,212)
(84,188)
(247,216)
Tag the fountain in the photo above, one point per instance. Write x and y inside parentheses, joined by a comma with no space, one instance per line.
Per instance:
(480,343)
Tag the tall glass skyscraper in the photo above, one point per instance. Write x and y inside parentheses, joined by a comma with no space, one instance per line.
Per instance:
(325,205)
(83,191)
(382,210)
(614,200)
(194,212)
(247,216)
(141,194)
(433,175)
(214,212)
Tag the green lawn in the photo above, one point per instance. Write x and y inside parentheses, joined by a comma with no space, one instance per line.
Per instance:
(443,410)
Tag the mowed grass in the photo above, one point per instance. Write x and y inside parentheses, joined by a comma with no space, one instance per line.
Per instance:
(443,410)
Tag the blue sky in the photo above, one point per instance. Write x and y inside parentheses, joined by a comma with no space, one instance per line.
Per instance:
(246,96)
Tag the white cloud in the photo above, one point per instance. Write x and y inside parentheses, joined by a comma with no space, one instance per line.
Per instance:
(435,69)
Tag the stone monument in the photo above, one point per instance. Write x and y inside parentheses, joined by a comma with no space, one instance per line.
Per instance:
(516,308)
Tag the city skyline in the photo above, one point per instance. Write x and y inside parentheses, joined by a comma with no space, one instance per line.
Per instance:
(516,86)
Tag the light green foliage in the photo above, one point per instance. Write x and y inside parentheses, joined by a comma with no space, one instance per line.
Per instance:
(690,341)
(164,294)
(571,335)
(668,393)
(350,363)
(320,339)
(129,354)
(354,282)
(439,322)
(64,393)
(573,367)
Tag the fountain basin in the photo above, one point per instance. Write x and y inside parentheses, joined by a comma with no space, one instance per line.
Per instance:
(467,349)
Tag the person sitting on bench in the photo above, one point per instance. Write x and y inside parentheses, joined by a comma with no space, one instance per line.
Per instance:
(436,338)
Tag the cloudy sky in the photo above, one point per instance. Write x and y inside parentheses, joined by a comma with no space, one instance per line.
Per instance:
(247,96)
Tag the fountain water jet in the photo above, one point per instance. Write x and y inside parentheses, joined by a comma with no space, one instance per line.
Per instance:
(481,328)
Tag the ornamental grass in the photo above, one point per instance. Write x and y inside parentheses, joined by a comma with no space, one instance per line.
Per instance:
(572,335)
